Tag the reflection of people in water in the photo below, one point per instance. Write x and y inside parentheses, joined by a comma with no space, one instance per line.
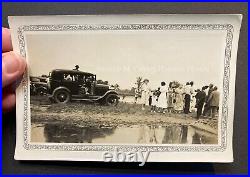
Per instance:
(196,136)
(196,139)
(173,135)
(150,134)
(142,134)
(186,135)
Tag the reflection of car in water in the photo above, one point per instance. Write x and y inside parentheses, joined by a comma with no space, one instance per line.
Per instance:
(69,85)
(38,86)
(59,133)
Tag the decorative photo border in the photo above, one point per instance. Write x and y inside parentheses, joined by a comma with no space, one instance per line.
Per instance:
(228,28)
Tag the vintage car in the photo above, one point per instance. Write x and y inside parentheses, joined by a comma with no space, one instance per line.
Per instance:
(72,85)
(38,86)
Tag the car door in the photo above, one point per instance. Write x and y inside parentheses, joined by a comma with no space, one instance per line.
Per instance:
(80,81)
(70,82)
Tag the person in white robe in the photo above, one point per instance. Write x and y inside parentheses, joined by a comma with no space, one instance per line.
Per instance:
(192,95)
(162,100)
(145,93)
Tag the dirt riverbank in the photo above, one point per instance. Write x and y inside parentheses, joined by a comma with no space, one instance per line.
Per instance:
(124,114)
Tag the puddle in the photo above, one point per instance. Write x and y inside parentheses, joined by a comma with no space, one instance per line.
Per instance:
(60,133)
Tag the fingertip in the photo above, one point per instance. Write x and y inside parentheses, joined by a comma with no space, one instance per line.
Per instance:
(6,40)
(13,67)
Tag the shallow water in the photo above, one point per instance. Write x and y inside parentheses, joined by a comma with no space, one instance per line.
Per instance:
(143,134)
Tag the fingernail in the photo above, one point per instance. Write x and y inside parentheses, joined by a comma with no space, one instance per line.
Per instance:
(12,64)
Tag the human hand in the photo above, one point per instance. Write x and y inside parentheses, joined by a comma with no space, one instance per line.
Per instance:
(13,66)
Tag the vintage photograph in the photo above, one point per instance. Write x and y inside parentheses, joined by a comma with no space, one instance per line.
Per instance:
(139,87)
(131,83)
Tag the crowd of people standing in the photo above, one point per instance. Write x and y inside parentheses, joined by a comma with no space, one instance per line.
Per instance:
(178,98)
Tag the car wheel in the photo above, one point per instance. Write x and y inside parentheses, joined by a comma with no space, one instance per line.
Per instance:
(111,100)
(62,96)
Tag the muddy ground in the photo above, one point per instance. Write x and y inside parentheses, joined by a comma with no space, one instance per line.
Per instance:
(124,114)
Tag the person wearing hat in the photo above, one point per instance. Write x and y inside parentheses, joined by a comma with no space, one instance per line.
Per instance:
(207,107)
(76,68)
(200,100)
(214,101)
(145,91)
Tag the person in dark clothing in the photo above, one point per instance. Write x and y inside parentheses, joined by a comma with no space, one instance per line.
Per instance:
(187,98)
(207,107)
(214,101)
(200,100)
(187,103)
(150,100)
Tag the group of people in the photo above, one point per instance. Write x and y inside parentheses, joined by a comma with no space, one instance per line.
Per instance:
(174,98)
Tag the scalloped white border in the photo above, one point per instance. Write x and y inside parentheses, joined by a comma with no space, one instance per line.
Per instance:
(84,147)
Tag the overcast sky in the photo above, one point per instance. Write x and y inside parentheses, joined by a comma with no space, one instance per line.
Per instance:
(121,56)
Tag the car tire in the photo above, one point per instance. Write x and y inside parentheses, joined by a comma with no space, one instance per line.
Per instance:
(62,96)
(111,100)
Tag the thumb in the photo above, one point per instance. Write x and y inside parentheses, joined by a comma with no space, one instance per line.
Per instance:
(13,67)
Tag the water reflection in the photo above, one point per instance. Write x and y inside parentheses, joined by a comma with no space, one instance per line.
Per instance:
(59,133)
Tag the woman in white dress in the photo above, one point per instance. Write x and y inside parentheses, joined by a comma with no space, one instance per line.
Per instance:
(145,91)
(170,98)
(162,100)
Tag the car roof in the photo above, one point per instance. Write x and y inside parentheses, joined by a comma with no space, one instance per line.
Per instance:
(38,77)
(68,71)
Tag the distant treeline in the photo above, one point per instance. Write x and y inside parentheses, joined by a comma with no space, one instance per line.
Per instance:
(126,92)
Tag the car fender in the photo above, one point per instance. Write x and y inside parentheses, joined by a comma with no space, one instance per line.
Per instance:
(60,88)
(108,92)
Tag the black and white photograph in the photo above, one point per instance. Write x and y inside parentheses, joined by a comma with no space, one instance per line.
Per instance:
(155,82)
(125,87)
